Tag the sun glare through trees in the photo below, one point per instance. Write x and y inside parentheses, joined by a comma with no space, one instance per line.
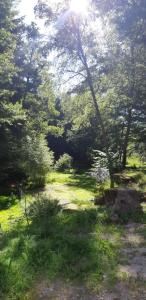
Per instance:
(80,7)
(72,149)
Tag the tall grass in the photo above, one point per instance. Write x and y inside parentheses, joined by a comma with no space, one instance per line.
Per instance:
(73,248)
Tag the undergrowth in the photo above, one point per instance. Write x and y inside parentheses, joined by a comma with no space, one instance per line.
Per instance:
(76,245)
(72,247)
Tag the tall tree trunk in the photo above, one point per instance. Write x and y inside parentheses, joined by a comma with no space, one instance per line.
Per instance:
(132,97)
(97,111)
(121,144)
(126,140)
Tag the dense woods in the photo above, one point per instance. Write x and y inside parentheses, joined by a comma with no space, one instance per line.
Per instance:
(72,116)
(99,65)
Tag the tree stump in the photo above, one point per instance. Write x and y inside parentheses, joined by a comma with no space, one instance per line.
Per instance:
(121,201)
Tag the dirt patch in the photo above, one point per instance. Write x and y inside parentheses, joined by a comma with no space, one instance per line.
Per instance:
(134,254)
(59,290)
(65,291)
(131,273)
(126,291)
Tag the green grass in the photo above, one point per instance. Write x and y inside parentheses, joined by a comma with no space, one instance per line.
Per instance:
(76,250)
(10,216)
(139,179)
(81,245)
(76,188)
(134,161)
(78,180)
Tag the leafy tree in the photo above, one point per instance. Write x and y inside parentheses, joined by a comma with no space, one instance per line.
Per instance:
(128,17)
(64,162)
(36,160)
(25,107)
(12,115)
(75,43)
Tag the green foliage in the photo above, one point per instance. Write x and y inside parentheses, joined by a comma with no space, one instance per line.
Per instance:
(37,159)
(134,161)
(71,252)
(42,214)
(7,201)
(137,217)
(104,75)
(78,246)
(99,168)
(64,162)
(25,95)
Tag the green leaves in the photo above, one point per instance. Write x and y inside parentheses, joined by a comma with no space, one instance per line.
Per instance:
(27,99)
(12,114)
(36,158)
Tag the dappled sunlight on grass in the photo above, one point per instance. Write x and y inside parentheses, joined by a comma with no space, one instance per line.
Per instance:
(138,178)
(79,244)
(75,249)
(134,161)
(82,180)
(71,193)
(12,214)
(59,177)
(8,216)
(77,188)
(60,186)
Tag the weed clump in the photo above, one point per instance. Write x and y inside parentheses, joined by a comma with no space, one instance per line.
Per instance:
(42,214)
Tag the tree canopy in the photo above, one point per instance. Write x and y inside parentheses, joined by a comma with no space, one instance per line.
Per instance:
(78,88)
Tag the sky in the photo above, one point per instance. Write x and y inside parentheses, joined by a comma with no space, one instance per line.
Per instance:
(26,9)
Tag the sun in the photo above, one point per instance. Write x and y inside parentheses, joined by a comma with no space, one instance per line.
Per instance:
(79,6)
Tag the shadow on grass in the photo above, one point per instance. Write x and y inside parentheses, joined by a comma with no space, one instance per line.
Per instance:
(69,249)
(83,180)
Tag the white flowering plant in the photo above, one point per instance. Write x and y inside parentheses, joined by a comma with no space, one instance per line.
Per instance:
(99,169)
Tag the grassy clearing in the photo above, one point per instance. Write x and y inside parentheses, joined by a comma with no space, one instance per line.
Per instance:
(78,247)
(79,189)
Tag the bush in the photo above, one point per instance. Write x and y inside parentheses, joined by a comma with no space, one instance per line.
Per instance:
(38,160)
(99,169)
(7,201)
(64,163)
(42,214)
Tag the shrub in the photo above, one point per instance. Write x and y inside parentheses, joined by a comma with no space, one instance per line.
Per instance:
(38,160)
(99,168)
(64,162)
(101,165)
(42,214)
(7,201)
